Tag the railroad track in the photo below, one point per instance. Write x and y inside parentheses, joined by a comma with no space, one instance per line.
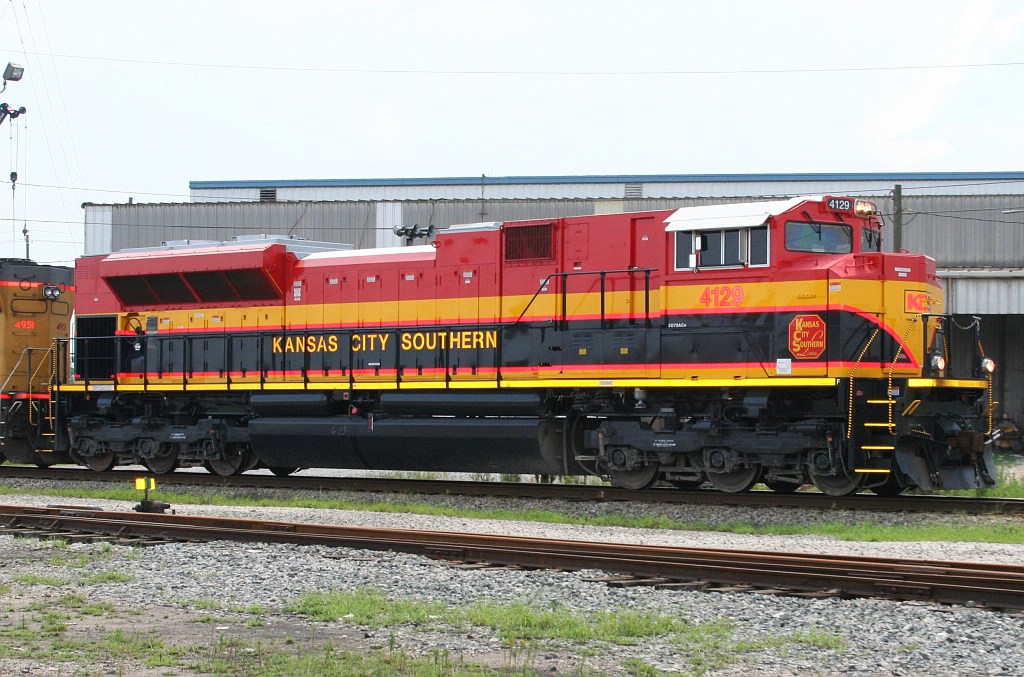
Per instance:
(802,499)
(994,586)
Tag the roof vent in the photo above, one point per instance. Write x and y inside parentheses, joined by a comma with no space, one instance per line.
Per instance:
(268,194)
(634,191)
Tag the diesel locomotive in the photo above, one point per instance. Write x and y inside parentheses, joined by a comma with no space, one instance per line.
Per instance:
(726,344)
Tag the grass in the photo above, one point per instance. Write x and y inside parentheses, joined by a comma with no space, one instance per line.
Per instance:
(521,626)
(516,621)
(1010,485)
(106,577)
(101,553)
(328,661)
(35,579)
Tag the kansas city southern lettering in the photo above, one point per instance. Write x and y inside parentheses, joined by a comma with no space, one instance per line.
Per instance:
(371,342)
(305,344)
(445,340)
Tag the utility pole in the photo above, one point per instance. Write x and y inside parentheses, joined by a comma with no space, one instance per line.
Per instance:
(897,218)
(13,72)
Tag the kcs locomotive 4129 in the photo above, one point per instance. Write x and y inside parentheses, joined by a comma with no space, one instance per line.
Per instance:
(730,344)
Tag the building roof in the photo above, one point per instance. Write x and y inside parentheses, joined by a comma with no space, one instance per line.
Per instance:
(610,178)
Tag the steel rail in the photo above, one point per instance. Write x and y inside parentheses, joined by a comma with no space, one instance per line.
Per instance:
(998,586)
(803,499)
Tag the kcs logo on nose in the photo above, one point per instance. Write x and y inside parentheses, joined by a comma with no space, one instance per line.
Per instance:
(917,302)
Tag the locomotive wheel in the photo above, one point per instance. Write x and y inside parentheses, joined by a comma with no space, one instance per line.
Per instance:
(236,462)
(836,485)
(639,478)
(161,465)
(282,471)
(737,481)
(101,463)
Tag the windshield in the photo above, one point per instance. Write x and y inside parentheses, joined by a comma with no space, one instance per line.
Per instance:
(830,238)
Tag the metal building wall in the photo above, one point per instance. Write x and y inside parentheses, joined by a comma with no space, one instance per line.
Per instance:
(966,231)
(149,225)
(987,291)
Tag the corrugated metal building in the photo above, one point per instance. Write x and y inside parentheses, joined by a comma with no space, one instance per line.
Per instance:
(972,223)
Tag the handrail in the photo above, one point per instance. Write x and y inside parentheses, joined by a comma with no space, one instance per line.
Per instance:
(603,274)
(28,374)
(945,329)
(26,351)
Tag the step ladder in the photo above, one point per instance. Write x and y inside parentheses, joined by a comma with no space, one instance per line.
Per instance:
(44,422)
(880,437)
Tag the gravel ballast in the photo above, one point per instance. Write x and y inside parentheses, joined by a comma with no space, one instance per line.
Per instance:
(872,637)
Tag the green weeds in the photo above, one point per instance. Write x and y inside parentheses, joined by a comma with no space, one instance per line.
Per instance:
(37,579)
(521,626)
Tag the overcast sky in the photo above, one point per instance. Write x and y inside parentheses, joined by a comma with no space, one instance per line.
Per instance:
(138,98)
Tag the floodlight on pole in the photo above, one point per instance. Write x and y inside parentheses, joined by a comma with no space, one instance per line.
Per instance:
(12,73)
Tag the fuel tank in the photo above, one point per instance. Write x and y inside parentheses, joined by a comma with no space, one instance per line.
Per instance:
(439,444)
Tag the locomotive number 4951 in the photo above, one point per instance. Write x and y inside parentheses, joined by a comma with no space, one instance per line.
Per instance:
(725,296)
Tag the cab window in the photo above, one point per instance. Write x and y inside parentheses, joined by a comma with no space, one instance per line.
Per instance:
(727,248)
(870,240)
(828,238)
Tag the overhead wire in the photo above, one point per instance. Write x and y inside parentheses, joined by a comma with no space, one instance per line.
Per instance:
(425,71)
(972,219)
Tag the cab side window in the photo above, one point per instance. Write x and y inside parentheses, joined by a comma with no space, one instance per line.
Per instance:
(726,248)
(870,240)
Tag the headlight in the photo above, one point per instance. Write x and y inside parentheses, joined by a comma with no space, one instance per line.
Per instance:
(988,365)
(938,363)
(865,208)
(51,292)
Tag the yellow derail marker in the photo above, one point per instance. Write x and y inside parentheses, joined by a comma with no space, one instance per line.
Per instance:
(147,484)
